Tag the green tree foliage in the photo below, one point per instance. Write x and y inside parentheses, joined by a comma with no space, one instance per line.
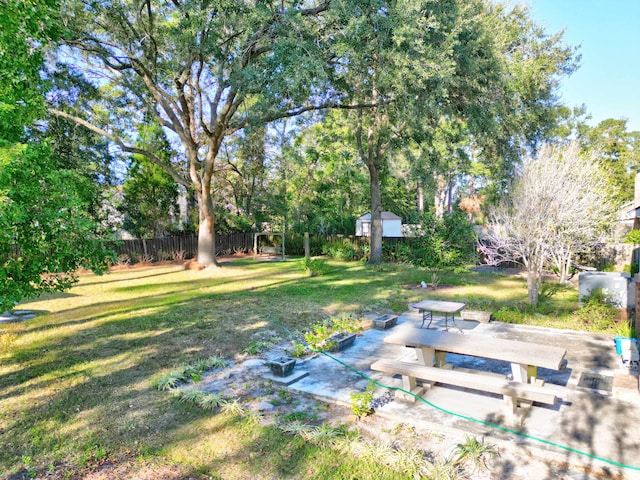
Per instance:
(150,195)
(243,192)
(25,27)
(46,230)
(444,243)
(204,70)
(46,233)
(149,198)
(520,108)
(328,185)
(410,61)
(619,150)
(452,81)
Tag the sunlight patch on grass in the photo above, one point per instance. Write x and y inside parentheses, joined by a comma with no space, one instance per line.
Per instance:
(78,381)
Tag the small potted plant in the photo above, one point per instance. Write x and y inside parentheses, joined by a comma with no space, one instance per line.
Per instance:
(340,340)
(282,366)
(624,331)
(384,322)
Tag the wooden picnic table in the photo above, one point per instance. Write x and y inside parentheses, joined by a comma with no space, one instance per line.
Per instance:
(433,345)
(427,307)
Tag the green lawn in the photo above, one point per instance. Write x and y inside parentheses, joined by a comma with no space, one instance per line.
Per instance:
(76,383)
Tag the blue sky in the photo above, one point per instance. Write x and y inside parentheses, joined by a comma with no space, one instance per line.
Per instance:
(608,33)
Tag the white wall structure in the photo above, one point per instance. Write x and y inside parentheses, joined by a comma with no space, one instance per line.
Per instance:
(618,286)
(391,225)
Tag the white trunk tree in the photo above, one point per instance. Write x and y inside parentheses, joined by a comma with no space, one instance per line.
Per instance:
(559,206)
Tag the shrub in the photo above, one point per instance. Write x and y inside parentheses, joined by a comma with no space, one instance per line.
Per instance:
(444,245)
(314,266)
(598,311)
(633,237)
(361,402)
(317,337)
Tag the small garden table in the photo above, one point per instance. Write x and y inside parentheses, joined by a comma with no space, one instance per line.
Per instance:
(427,307)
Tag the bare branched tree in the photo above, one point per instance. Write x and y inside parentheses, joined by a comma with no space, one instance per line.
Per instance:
(559,206)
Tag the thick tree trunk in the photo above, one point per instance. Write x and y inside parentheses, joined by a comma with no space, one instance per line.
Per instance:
(533,286)
(564,267)
(206,232)
(376,216)
(420,199)
(440,197)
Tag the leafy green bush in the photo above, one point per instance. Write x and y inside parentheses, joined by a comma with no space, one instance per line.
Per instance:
(342,250)
(445,244)
(633,237)
(315,266)
(317,337)
(509,315)
(361,402)
(600,297)
(598,311)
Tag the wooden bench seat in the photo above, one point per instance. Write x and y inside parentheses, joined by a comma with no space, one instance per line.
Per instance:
(513,392)
(271,250)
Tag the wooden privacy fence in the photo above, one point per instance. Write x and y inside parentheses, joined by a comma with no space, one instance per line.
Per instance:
(177,248)
(186,246)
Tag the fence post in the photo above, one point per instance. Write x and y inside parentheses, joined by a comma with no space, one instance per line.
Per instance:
(255,245)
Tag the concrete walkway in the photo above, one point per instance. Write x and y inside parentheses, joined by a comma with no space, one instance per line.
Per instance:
(597,412)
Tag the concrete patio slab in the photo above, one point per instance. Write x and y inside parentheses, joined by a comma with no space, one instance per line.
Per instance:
(587,429)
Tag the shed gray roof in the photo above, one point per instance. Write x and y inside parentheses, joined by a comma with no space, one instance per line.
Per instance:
(385,216)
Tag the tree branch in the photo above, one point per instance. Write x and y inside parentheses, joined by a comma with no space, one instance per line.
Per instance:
(272,116)
(122,145)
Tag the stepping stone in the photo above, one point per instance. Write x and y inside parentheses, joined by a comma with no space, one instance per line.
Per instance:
(288,380)
(7,317)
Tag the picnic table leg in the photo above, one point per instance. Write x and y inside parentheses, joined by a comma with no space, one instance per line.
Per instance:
(409,384)
(426,356)
(431,357)
(440,359)
(524,373)
(427,314)
(453,321)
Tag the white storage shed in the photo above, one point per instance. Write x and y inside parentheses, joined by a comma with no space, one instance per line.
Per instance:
(391,225)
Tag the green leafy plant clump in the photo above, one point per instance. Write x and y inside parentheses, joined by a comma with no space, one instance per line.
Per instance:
(186,373)
(444,244)
(318,337)
(474,451)
(633,237)
(361,402)
(625,329)
(314,267)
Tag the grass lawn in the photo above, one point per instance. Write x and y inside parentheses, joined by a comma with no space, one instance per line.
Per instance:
(76,382)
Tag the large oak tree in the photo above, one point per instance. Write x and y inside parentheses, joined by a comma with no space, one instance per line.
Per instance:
(204,70)
(421,65)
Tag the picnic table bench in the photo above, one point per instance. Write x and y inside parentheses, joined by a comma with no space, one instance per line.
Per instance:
(431,347)
(515,394)
(277,250)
